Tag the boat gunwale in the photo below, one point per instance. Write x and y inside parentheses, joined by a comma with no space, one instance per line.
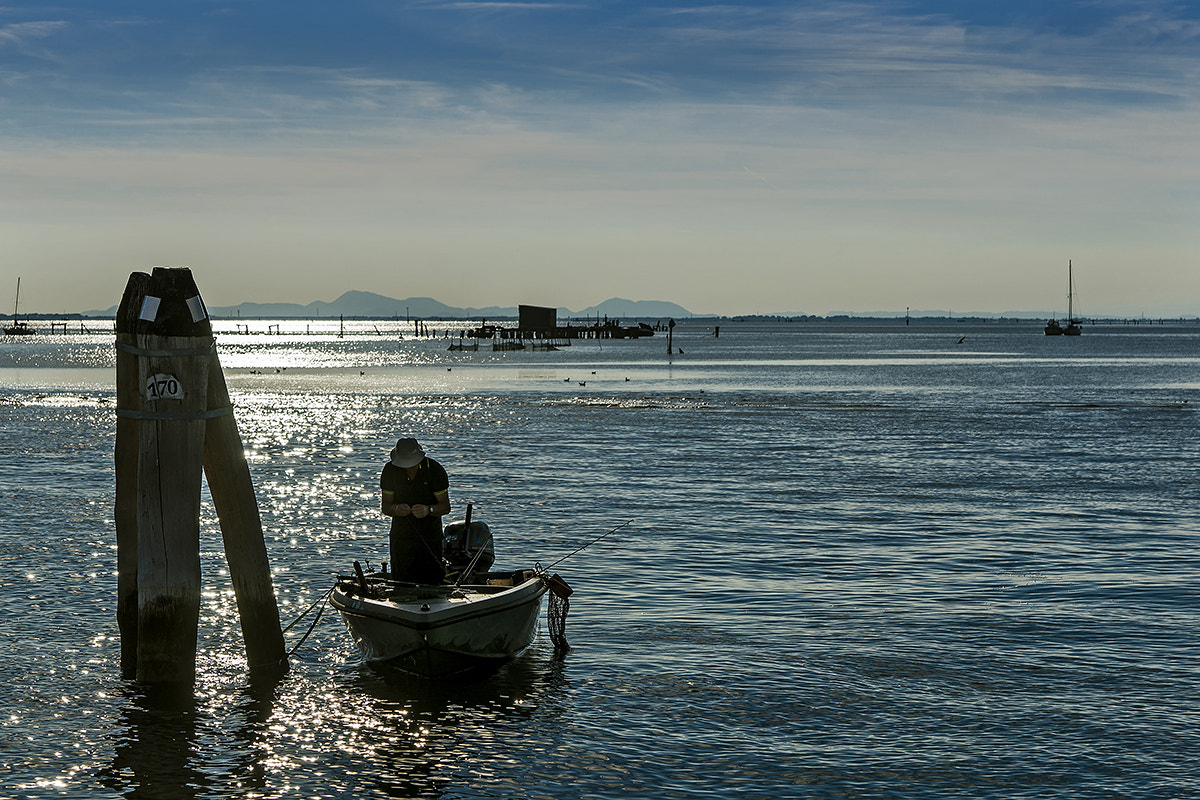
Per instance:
(433,617)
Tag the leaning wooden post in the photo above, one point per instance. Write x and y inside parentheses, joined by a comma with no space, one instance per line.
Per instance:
(232,492)
(125,457)
(174,349)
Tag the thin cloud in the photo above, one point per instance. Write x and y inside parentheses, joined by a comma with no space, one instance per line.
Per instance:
(22,34)
(498,6)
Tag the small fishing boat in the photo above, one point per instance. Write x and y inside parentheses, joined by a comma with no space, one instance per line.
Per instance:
(18,327)
(477,620)
(1073,326)
(444,630)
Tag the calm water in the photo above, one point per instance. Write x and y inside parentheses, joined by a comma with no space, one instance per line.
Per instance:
(861,562)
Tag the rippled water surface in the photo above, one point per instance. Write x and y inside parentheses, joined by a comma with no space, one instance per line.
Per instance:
(860,561)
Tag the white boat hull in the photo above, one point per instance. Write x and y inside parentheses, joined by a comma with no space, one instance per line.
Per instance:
(436,631)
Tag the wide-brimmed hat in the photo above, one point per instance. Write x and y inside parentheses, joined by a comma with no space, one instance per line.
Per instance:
(407,453)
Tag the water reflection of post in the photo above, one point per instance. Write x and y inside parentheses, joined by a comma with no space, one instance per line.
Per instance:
(155,757)
(156,752)
(250,734)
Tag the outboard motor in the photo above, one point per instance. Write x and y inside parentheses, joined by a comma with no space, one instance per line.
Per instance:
(463,540)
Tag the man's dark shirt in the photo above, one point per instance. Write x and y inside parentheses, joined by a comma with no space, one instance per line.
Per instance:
(416,544)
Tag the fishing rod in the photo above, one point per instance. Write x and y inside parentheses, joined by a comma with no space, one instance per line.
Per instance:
(467,544)
(589,544)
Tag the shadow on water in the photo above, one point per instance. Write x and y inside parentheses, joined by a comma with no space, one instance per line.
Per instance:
(375,732)
(512,684)
(420,738)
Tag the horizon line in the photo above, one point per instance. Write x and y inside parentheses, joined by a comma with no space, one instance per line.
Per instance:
(837,315)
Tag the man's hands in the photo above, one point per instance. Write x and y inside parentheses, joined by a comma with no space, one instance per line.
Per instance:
(404,509)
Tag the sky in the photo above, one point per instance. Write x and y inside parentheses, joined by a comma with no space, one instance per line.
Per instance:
(740,158)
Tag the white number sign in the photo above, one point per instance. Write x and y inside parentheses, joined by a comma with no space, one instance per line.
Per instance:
(162,387)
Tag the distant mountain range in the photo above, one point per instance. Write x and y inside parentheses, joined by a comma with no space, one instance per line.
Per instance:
(369,305)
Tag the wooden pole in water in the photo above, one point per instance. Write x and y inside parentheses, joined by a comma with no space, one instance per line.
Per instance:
(174,424)
(174,346)
(125,457)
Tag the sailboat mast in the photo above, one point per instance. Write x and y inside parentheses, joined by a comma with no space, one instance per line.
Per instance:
(17,302)
(1070,291)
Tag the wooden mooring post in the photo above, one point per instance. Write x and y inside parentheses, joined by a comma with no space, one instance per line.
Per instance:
(175,426)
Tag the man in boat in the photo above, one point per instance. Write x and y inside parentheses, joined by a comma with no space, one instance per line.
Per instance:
(416,495)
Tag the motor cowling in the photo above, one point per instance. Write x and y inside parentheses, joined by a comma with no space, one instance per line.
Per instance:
(462,542)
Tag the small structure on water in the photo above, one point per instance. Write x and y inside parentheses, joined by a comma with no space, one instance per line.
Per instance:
(538,326)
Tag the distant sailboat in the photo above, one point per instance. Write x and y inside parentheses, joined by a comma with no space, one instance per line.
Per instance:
(1073,327)
(18,327)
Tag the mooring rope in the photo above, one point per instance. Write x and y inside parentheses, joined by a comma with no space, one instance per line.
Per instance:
(319,601)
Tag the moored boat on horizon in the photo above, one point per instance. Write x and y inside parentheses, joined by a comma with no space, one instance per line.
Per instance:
(1074,327)
(18,327)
